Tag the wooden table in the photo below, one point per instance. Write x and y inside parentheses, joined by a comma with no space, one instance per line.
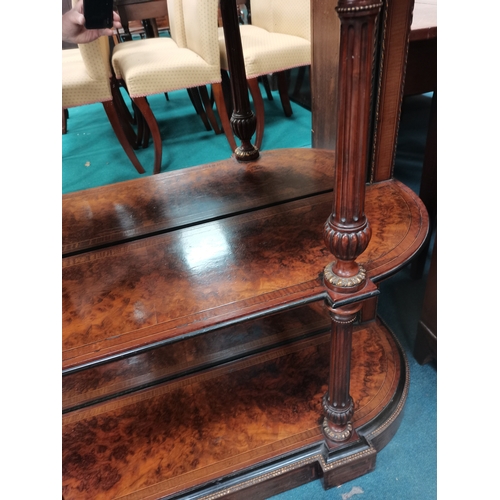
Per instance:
(152,13)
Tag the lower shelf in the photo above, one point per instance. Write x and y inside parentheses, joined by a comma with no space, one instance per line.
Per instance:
(245,429)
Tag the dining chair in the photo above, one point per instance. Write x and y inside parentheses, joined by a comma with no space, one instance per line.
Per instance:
(150,13)
(278,39)
(189,58)
(87,79)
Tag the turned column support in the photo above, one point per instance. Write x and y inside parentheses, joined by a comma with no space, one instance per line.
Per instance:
(338,405)
(347,231)
(243,120)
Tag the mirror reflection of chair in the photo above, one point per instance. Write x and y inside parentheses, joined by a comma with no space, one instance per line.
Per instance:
(277,39)
(153,16)
(190,58)
(87,79)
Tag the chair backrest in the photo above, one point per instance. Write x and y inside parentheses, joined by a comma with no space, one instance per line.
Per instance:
(194,25)
(96,57)
(290,17)
(176,19)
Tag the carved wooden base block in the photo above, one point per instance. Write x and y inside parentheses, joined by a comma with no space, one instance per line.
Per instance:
(245,429)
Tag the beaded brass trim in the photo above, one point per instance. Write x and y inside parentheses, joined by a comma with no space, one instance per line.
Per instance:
(359,8)
(335,280)
(246,155)
(319,458)
(338,437)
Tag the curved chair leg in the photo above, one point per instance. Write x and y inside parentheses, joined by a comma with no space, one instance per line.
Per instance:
(116,123)
(115,89)
(265,81)
(124,114)
(152,125)
(224,118)
(208,108)
(258,103)
(283,90)
(141,129)
(194,95)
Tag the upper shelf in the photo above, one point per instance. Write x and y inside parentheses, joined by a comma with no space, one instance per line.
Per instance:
(264,253)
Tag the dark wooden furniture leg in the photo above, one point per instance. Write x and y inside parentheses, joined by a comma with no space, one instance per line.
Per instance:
(207,103)
(64,121)
(283,90)
(258,103)
(223,115)
(243,120)
(428,187)
(117,125)
(425,348)
(152,125)
(194,96)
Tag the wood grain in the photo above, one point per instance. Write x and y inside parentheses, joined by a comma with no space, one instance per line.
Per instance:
(189,432)
(170,200)
(204,277)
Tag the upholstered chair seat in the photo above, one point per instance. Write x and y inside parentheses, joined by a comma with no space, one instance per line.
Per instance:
(158,65)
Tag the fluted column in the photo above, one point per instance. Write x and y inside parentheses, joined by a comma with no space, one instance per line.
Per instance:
(347,231)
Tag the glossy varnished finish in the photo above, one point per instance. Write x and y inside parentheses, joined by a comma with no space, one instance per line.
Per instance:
(395,33)
(188,433)
(117,212)
(203,351)
(184,282)
(325,34)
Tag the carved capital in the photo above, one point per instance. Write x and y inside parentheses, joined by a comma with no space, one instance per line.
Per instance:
(346,243)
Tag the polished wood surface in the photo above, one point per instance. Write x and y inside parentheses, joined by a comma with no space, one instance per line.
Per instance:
(396,22)
(177,359)
(325,36)
(226,305)
(115,213)
(130,295)
(185,434)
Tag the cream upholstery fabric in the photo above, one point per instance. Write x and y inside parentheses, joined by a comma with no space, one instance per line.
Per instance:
(290,17)
(85,75)
(157,65)
(278,38)
(177,31)
(265,52)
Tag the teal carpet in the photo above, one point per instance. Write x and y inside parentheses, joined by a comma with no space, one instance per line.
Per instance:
(407,467)
(92,155)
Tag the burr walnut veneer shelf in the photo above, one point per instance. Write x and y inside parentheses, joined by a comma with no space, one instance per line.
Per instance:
(195,332)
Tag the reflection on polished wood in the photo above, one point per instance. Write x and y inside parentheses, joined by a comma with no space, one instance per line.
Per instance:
(122,211)
(196,342)
(127,296)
